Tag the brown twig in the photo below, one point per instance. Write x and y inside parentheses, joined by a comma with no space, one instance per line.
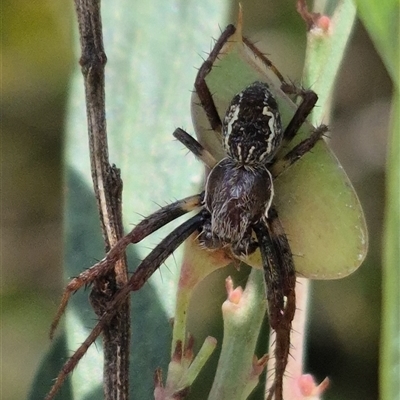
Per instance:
(108,190)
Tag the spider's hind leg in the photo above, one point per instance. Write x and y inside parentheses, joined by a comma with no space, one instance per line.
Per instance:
(280,281)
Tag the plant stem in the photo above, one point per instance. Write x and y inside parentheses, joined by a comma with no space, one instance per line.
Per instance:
(108,190)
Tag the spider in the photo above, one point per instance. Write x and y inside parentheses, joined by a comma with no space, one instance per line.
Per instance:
(235,211)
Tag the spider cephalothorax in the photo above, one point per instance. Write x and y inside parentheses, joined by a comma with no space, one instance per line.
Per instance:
(252,128)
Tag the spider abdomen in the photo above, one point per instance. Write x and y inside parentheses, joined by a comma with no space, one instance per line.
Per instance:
(236,198)
(252,127)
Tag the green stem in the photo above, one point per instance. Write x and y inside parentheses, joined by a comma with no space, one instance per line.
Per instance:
(390,353)
(243,314)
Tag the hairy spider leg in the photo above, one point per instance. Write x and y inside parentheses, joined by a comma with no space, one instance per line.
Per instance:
(147,226)
(309,99)
(264,59)
(163,216)
(161,252)
(280,280)
(201,86)
(195,147)
(282,334)
(281,164)
(141,275)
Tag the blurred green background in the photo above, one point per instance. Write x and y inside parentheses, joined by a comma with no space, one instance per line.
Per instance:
(37,59)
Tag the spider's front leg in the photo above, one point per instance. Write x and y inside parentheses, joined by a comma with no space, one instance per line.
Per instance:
(195,147)
(280,279)
(201,86)
(309,99)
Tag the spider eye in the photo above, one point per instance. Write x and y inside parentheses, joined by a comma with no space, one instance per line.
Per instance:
(252,127)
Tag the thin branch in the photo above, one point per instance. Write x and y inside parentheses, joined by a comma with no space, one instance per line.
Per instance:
(108,190)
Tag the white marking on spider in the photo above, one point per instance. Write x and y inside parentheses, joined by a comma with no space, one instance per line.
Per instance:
(265,110)
(251,151)
(262,156)
(239,150)
(272,135)
(271,122)
(231,118)
(268,205)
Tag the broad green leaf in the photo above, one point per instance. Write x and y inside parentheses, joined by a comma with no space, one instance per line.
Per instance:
(316,202)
